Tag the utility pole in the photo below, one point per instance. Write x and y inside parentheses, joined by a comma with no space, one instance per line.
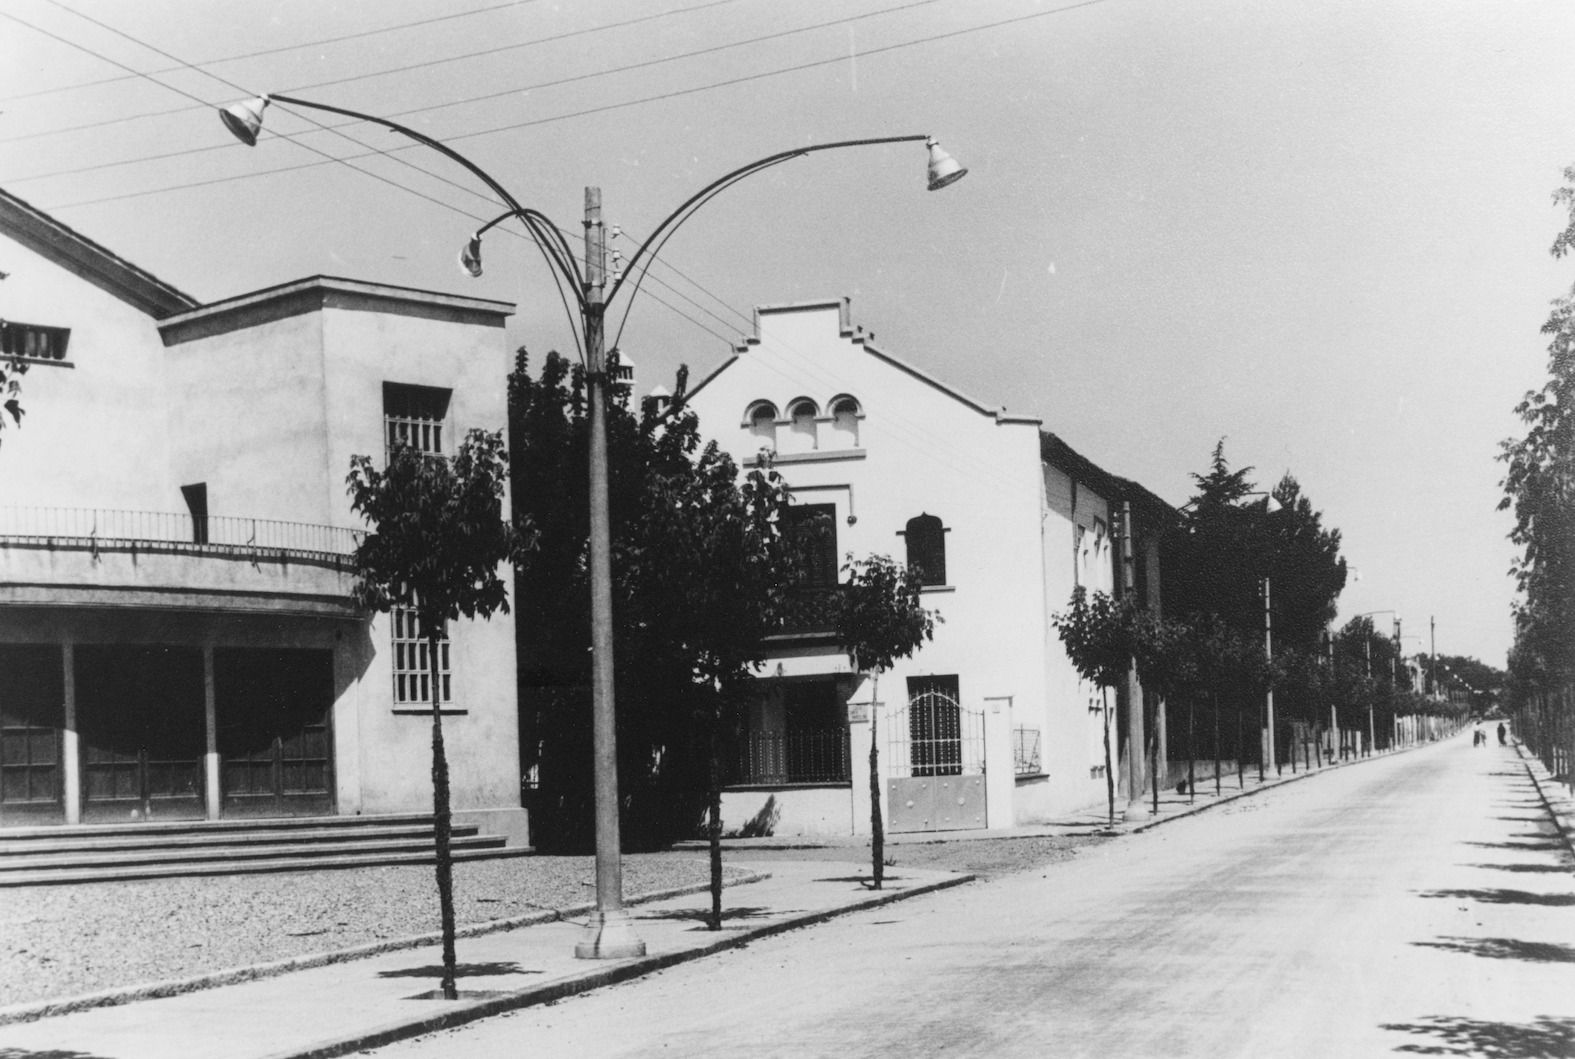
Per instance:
(1432,656)
(1272,752)
(1337,738)
(1136,741)
(609,934)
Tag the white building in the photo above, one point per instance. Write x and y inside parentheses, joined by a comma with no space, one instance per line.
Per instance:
(988,725)
(177,638)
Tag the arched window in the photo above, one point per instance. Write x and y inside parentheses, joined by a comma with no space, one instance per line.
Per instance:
(845,415)
(761,421)
(801,424)
(926,539)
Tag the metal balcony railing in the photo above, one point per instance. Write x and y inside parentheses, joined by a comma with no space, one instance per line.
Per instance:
(798,755)
(95,528)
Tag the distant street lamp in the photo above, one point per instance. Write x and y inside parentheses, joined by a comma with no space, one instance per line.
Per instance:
(610,933)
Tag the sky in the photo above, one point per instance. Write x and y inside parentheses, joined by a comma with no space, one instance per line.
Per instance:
(1317,230)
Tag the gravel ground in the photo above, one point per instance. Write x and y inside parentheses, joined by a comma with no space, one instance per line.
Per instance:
(63,941)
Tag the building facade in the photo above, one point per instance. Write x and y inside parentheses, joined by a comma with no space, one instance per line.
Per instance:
(177,634)
(986,726)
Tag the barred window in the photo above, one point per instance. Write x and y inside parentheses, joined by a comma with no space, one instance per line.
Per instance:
(412,674)
(414,416)
(33,341)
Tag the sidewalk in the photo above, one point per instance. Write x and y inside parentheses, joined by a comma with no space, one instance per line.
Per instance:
(363,1003)
(1555,795)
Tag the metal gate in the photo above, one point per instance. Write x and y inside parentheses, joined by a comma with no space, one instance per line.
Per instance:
(935,760)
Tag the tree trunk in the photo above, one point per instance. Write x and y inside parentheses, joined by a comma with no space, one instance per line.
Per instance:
(442,823)
(714,826)
(1192,753)
(1153,753)
(1241,740)
(1216,701)
(877,828)
(1110,773)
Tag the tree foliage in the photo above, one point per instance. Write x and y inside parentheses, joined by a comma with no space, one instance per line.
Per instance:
(701,570)
(1539,488)
(11,372)
(437,544)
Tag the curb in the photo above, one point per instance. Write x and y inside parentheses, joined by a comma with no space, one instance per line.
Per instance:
(623,971)
(1542,796)
(32,1011)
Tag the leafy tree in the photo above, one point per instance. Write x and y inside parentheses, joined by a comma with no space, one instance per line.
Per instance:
(11,373)
(438,539)
(1217,558)
(701,572)
(1097,632)
(1539,487)
(879,621)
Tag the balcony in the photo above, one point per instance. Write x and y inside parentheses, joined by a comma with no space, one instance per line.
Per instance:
(101,529)
(809,613)
(102,557)
(807,756)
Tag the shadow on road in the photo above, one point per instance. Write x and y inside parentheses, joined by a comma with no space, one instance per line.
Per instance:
(1504,949)
(53,1053)
(1549,868)
(1540,847)
(1496,1040)
(1505,897)
(701,915)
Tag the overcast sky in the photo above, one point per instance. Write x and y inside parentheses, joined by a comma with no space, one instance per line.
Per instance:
(1317,229)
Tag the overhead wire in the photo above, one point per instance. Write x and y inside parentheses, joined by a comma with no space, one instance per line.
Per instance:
(319,42)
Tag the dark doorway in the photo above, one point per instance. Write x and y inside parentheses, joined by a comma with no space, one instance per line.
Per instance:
(32,717)
(141,719)
(275,749)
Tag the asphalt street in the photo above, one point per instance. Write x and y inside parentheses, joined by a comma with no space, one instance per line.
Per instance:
(1416,904)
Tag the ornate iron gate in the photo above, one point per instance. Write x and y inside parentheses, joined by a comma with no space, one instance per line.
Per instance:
(935,760)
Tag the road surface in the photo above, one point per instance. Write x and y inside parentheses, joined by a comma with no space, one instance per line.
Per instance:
(1414,904)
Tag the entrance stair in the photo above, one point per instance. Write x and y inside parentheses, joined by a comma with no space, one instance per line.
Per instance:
(39,856)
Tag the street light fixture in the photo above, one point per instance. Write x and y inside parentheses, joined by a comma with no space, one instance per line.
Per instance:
(609,934)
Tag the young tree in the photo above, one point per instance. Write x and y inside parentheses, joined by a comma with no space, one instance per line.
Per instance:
(438,539)
(879,620)
(1098,634)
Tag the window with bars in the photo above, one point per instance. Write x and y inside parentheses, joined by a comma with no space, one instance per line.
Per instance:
(33,341)
(412,673)
(414,416)
(926,540)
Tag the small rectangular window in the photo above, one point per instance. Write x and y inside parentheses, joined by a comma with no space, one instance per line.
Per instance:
(414,416)
(33,341)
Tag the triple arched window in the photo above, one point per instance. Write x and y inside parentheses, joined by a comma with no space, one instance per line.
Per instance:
(803,427)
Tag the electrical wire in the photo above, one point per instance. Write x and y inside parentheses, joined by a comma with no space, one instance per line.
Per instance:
(359,35)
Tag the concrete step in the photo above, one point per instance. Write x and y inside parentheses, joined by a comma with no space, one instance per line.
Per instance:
(230,866)
(204,827)
(73,859)
(131,839)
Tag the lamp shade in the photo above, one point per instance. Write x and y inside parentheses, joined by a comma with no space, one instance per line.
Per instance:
(470,256)
(944,169)
(244,119)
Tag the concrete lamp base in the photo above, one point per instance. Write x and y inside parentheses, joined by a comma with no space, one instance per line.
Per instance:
(609,936)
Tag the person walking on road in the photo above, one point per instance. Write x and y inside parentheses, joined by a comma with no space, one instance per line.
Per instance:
(1502,734)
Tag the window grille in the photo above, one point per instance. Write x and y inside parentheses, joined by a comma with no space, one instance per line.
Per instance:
(412,674)
(1025,751)
(33,341)
(414,416)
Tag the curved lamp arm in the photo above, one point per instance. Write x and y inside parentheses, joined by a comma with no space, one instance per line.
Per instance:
(677,217)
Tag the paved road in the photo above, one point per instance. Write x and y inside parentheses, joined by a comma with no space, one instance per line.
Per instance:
(1414,904)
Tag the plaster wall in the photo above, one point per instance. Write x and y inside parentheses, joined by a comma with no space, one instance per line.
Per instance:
(93,432)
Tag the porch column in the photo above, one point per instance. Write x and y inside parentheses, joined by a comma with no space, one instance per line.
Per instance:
(70,746)
(210,759)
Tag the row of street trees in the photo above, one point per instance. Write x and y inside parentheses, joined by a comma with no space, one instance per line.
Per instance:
(1250,588)
(1539,488)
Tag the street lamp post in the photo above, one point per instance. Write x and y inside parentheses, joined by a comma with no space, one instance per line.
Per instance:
(609,933)
(1367,653)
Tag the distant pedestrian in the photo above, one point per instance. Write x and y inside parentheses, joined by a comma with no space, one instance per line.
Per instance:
(1503,734)
(1476,737)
